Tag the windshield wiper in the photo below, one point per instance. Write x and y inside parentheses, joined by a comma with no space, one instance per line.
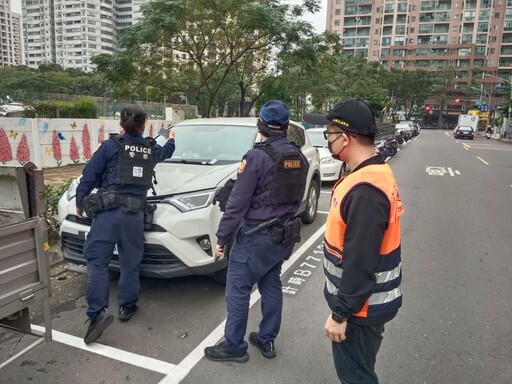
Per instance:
(195,162)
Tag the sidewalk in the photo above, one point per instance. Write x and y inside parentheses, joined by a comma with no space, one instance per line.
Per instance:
(59,175)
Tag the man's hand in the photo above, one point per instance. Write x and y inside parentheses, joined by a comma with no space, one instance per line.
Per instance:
(79,212)
(335,331)
(219,252)
(171,134)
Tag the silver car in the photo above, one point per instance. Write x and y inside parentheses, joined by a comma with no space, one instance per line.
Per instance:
(182,238)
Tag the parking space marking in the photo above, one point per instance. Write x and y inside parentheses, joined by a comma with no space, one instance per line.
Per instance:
(198,353)
(482,160)
(173,371)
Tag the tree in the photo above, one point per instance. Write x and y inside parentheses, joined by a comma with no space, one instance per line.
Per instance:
(190,47)
(444,81)
(408,88)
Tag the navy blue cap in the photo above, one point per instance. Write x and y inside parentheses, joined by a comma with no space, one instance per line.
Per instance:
(274,114)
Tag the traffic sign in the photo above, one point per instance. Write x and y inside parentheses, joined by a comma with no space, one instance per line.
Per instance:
(480,102)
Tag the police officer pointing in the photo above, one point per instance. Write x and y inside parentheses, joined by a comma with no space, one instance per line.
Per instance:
(266,195)
(122,170)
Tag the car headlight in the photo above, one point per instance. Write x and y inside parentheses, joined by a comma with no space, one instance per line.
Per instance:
(327,160)
(191,201)
(72,189)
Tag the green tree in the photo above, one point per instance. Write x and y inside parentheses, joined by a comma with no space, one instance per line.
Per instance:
(191,46)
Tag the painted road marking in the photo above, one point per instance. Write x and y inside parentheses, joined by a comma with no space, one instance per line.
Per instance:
(482,160)
(441,171)
(173,373)
(465,146)
(218,333)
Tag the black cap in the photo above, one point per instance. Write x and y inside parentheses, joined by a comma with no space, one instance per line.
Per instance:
(351,115)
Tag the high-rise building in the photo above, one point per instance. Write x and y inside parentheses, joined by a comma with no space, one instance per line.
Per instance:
(71,32)
(429,34)
(10,35)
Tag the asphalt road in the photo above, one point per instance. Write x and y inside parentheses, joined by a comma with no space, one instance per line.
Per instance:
(454,326)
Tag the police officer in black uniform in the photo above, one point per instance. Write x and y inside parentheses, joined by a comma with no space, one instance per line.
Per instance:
(265,197)
(122,170)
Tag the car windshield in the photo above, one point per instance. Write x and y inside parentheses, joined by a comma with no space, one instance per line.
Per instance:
(317,138)
(211,144)
(465,129)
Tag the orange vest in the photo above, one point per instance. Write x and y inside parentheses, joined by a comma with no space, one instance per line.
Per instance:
(387,296)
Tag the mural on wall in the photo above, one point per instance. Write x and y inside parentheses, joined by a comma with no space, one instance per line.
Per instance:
(56,142)
(86,143)
(101,131)
(73,151)
(56,149)
(23,151)
(5,147)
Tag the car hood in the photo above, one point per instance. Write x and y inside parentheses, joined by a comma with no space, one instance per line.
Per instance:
(175,178)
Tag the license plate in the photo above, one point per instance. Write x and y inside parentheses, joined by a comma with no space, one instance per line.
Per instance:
(115,252)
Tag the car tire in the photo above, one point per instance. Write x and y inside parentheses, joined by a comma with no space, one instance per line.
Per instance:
(309,214)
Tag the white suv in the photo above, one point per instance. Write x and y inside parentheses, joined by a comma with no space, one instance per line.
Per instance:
(182,238)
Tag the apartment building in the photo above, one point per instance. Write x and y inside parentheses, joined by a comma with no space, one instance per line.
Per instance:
(10,35)
(429,34)
(71,32)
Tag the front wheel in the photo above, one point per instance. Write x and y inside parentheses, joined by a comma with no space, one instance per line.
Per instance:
(309,214)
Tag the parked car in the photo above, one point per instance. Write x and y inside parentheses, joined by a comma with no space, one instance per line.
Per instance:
(12,109)
(182,238)
(464,132)
(406,128)
(331,169)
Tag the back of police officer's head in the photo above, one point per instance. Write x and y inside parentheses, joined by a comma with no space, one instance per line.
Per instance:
(274,118)
(133,119)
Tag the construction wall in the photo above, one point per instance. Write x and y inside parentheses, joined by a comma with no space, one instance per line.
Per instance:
(57,142)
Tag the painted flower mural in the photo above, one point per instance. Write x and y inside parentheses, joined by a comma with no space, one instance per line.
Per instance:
(23,151)
(56,149)
(5,147)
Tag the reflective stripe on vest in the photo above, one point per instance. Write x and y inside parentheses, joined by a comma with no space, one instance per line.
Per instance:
(386,297)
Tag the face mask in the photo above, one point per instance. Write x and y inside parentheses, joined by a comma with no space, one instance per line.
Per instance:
(337,155)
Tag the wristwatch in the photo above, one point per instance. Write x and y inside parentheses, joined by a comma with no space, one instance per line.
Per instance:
(339,319)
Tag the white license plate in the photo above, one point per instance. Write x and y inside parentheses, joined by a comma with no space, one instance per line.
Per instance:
(115,252)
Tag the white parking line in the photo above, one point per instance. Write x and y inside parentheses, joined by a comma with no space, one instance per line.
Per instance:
(168,369)
(198,353)
(173,373)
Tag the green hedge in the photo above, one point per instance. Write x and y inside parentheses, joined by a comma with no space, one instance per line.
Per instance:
(81,108)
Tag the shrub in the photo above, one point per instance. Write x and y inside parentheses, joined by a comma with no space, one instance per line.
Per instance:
(52,196)
(81,108)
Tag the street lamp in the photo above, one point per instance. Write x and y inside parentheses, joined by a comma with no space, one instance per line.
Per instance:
(510,100)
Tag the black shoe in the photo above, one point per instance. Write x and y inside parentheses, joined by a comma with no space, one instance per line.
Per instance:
(126,313)
(221,352)
(267,349)
(100,322)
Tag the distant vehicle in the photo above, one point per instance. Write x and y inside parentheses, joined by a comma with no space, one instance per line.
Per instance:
(468,121)
(330,168)
(12,109)
(405,127)
(464,132)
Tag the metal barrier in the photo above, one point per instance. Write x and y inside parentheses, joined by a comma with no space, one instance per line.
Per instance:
(24,269)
